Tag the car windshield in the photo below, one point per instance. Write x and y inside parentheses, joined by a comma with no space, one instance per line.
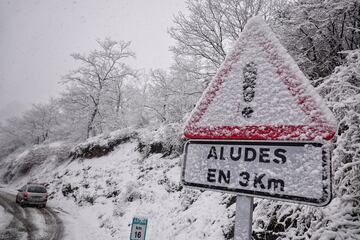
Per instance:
(36,189)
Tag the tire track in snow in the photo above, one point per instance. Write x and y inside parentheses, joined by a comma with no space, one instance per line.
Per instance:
(26,224)
(55,225)
(18,228)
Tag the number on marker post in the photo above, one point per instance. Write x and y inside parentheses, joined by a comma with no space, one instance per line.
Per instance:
(138,235)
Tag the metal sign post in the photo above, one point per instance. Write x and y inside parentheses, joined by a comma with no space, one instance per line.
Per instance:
(243,218)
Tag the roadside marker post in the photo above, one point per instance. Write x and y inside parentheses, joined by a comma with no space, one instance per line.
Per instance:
(138,228)
(260,130)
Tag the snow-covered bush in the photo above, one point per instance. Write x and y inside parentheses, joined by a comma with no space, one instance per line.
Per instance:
(315,32)
(67,189)
(342,92)
(340,219)
(19,165)
(166,139)
(102,144)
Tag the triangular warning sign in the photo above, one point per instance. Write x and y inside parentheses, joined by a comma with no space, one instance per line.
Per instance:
(259,93)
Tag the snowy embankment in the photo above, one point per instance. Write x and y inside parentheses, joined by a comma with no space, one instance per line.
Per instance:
(98,197)
(98,191)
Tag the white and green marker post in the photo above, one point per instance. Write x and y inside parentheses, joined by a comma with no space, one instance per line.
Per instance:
(138,228)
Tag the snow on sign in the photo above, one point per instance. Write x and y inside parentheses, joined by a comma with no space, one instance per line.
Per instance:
(272,119)
(138,228)
(259,93)
(295,171)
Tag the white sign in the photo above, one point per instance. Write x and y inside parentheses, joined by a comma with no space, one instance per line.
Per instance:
(138,228)
(289,171)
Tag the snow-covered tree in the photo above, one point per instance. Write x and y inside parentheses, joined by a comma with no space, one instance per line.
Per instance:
(125,108)
(37,125)
(208,31)
(100,71)
(342,92)
(339,220)
(40,122)
(316,31)
(11,136)
(171,95)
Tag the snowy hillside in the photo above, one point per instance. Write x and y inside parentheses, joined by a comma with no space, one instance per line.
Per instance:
(99,196)
(110,146)
(107,192)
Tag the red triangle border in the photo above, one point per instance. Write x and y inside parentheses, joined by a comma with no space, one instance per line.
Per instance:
(318,127)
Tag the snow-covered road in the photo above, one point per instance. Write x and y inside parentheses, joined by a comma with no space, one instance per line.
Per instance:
(27,223)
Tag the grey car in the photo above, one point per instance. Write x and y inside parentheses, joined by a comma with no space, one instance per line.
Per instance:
(32,194)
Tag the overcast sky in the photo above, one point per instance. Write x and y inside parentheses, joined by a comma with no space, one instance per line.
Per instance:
(38,36)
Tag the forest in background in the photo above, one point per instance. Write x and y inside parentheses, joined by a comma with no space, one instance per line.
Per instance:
(103,93)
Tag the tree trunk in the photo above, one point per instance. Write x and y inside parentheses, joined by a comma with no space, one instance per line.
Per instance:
(91,121)
(118,102)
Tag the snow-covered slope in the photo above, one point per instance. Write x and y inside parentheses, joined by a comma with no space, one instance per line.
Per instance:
(98,197)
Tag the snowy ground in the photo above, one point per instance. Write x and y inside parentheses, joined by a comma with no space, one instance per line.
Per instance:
(97,199)
(5,219)
(18,223)
(107,192)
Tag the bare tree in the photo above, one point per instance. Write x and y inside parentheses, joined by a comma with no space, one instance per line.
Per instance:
(317,33)
(36,126)
(40,121)
(172,94)
(208,31)
(99,71)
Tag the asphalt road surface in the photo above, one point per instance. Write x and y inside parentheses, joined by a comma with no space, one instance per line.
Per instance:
(29,223)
